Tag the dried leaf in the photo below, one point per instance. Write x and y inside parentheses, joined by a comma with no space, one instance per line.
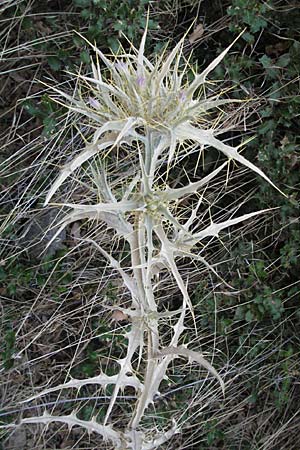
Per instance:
(196,34)
(118,316)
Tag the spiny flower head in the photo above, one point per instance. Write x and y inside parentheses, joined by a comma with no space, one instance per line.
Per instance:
(154,94)
(157,95)
(153,103)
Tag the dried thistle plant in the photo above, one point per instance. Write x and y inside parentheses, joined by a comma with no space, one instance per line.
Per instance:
(152,113)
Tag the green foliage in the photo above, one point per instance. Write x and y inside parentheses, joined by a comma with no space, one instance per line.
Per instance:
(18,277)
(109,20)
(268,66)
(102,22)
(9,349)
(278,69)
(250,13)
(46,111)
(214,434)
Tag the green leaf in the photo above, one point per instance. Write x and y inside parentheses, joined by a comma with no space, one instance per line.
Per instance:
(86,14)
(27,23)
(119,25)
(49,125)
(85,57)
(113,44)
(54,63)
(248,37)
(265,61)
(10,339)
(82,3)
(283,60)
(31,108)
(100,23)
(78,41)
(249,316)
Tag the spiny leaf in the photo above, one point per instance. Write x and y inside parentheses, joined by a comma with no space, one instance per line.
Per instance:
(129,282)
(140,58)
(200,79)
(91,426)
(168,254)
(135,340)
(207,137)
(165,69)
(102,380)
(176,194)
(214,228)
(122,206)
(69,168)
(195,356)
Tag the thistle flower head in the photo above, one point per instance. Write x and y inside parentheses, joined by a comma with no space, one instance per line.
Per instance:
(156,100)
(139,99)
(157,95)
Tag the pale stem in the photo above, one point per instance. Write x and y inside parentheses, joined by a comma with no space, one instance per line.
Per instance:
(148,379)
(150,316)
(136,259)
(148,152)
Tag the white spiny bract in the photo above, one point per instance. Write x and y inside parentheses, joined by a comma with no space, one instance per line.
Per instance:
(151,110)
